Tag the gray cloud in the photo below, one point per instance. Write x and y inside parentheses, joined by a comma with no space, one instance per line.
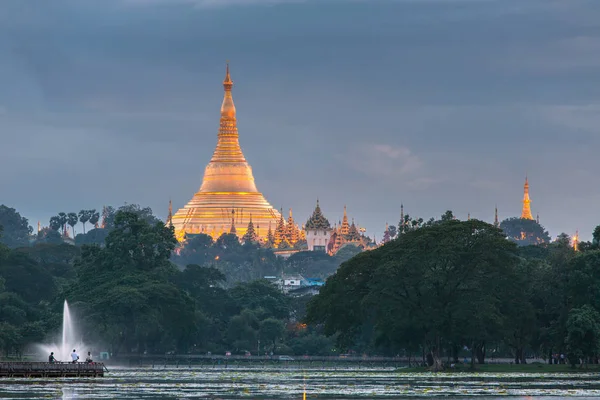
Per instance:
(437,104)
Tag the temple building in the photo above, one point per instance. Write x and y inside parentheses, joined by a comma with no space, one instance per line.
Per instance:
(346,234)
(318,231)
(228,199)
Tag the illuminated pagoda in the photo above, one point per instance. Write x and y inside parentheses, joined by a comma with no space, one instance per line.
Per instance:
(228,197)
(526,212)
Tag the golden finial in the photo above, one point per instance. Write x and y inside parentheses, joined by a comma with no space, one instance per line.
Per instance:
(227,82)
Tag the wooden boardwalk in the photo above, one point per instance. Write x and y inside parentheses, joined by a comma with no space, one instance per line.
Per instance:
(19,369)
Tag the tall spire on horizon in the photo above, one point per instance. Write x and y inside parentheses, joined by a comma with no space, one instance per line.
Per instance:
(496,222)
(228,146)
(170,216)
(526,213)
(401,218)
(228,184)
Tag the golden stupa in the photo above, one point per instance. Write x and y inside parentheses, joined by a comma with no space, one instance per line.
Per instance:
(228,198)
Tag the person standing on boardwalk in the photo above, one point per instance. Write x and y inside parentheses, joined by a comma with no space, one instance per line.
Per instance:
(51,358)
(74,356)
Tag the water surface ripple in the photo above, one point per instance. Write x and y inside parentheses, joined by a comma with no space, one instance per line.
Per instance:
(290,383)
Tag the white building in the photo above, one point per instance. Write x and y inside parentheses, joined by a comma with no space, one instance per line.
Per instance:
(318,231)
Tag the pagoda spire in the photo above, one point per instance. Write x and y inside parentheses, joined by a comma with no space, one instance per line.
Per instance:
(232,230)
(228,147)
(170,216)
(345,226)
(468,216)
(576,241)
(526,213)
(250,236)
(401,218)
(496,223)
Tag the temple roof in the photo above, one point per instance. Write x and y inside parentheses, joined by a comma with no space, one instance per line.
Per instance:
(317,220)
(353,234)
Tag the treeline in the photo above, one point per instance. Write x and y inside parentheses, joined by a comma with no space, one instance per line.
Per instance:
(134,293)
(453,289)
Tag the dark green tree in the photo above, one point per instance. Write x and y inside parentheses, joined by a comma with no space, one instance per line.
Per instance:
(55,223)
(524,232)
(263,295)
(271,330)
(583,334)
(63,219)
(15,228)
(128,287)
(444,282)
(94,218)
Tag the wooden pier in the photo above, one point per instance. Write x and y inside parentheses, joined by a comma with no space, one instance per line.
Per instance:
(50,370)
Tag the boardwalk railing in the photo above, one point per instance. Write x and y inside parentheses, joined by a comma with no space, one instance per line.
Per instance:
(45,369)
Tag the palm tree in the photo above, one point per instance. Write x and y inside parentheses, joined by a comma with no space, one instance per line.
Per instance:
(84,216)
(94,218)
(72,220)
(63,221)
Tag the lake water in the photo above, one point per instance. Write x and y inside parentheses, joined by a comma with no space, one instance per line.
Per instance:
(290,382)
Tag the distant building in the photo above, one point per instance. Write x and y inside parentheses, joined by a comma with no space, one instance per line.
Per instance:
(318,231)
(296,285)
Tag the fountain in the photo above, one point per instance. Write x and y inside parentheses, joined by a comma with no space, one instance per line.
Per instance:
(69,340)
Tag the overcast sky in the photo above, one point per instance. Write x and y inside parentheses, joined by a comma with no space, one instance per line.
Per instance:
(439,104)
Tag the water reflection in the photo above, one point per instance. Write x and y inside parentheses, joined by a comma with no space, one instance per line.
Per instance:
(68,393)
(294,383)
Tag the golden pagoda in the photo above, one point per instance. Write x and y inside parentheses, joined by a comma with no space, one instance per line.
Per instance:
(228,195)
(526,212)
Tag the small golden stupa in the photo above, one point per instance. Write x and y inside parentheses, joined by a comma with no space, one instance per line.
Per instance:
(228,198)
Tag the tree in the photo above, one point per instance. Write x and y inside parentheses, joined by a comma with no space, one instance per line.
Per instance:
(524,231)
(128,287)
(109,214)
(583,338)
(94,218)
(26,278)
(72,220)
(93,236)
(596,235)
(197,250)
(16,229)
(50,236)
(84,217)
(55,224)
(450,293)
(392,231)
(270,331)
(261,294)
(63,219)
(346,253)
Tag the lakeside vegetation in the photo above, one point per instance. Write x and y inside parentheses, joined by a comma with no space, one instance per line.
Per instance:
(445,290)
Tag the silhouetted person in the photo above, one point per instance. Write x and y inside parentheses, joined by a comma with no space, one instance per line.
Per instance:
(74,356)
(51,358)
(88,359)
